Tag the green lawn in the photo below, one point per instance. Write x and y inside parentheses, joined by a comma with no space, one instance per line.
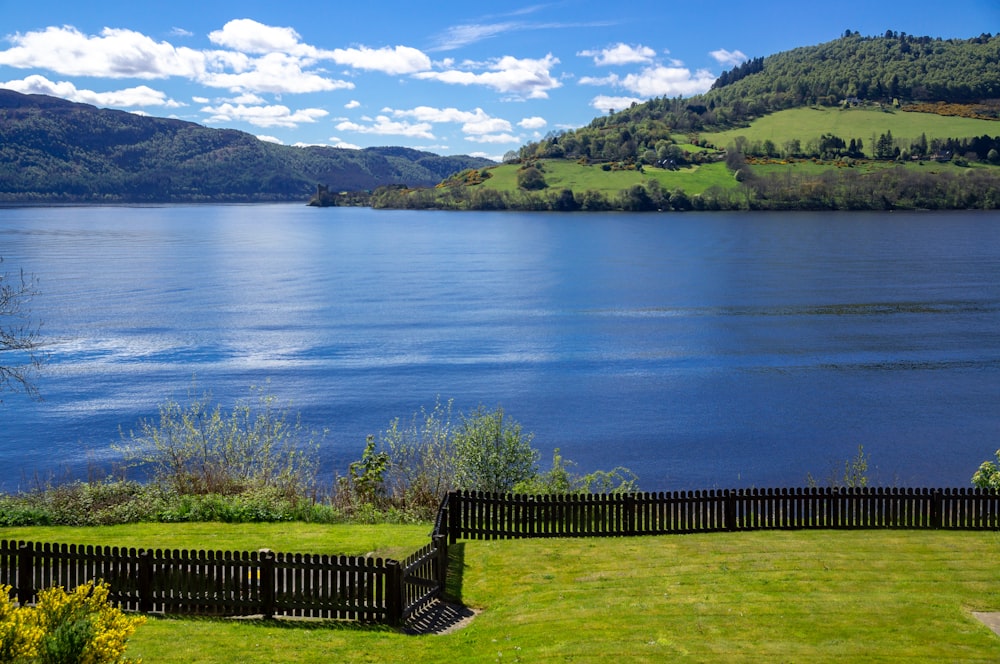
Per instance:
(864,123)
(384,541)
(774,596)
(566,174)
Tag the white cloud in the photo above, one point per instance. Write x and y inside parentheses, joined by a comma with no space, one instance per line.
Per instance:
(276,73)
(668,82)
(354,103)
(180,32)
(384,126)
(337,143)
(522,77)
(463,35)
(200,100)
(439,115)
(605,103)
(270,139)
(732,58)
(113,54)
(610,79)
(249,36)
(621,54)
(493,138)
(262,116)
(129,97)
(396,60)
(532,123)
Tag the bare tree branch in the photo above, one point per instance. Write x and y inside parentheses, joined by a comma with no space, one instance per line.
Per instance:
(20,344)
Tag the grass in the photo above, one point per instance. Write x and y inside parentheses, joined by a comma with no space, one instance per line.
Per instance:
(567,174)
(864,123)
(816,596)
(385,541)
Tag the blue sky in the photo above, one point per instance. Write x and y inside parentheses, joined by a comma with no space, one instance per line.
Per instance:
(449,77)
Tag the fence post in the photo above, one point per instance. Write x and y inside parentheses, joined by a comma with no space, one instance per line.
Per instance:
(25,575)
(937,507)
(394,593)
(629,514)
(454,516)
(731,525)
(145,581)
(266,581)
(441,548)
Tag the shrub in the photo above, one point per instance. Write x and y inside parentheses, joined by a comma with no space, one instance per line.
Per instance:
(196,449)
(66,628)
(988,475)
(559,479)
(491,454)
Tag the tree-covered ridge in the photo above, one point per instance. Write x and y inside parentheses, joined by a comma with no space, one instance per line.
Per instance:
(55,150)
(895,68)
(878,69)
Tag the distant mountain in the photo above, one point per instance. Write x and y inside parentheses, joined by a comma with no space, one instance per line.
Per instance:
(52,150)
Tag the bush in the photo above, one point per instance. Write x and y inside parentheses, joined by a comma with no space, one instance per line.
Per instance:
(196,449)
(988,475)
(66,628)
(491,454)
(559,479)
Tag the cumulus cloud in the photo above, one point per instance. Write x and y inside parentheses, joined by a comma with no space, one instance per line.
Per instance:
(621,54)
(605,103)
(113,54)
(354,103)
(668,81)
(275,73)
(270,139)
(492,138)
(731,58)
(658,81)
(337,143)
(129,97)
(395,60)
(249,36)
(532,123)
(521,77)
(384,126)
(262,116)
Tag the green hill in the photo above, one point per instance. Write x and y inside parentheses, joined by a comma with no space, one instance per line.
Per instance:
(832,120)
(53,150)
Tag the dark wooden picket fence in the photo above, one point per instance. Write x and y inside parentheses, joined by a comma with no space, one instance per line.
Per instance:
(473,515)
(233,583)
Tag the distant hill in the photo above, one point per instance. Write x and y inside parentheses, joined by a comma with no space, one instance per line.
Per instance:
(891,121)
(52,150)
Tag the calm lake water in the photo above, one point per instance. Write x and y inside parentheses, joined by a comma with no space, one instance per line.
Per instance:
(700,350)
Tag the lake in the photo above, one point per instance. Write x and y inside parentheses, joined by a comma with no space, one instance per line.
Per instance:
(703,350)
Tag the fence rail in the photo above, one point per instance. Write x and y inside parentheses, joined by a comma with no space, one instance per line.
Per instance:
(389,591)
(474,515)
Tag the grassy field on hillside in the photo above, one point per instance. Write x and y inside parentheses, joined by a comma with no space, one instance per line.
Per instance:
(565,174)
(864,123)
(816,596)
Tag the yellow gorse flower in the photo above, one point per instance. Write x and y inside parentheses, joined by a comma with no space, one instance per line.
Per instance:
(82,621)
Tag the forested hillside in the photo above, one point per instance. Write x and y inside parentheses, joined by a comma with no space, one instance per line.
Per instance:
(891,70)
(857,123)
(53,150)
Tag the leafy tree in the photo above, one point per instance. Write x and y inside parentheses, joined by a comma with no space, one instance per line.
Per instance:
(531,178)
(988,475)
(491,453)
(20,345)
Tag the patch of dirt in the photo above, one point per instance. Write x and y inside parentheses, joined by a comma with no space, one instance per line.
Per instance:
(439,618)
(991,620)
